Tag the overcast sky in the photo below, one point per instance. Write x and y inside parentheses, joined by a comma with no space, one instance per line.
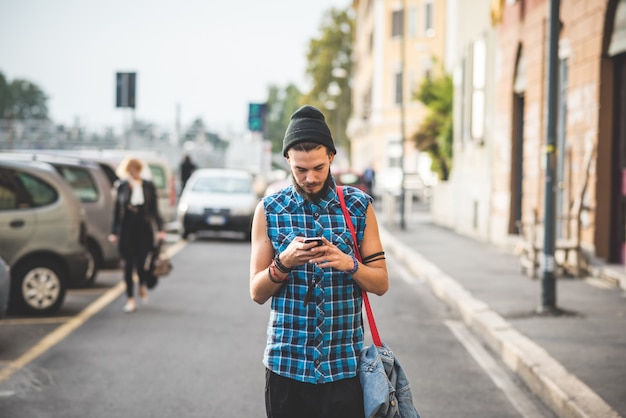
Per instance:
(211,57)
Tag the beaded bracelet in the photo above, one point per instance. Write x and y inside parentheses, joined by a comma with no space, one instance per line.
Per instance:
(355,268)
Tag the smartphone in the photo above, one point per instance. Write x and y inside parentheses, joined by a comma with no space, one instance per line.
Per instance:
(318,241)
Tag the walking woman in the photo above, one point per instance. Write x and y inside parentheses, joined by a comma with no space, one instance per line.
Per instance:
(135,219)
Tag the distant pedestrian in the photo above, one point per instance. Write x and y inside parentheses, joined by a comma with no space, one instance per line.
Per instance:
(369,176)
(187,167)
(136,220)
(315,330)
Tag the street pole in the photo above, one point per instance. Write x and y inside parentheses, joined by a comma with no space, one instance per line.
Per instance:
(548,284)
(402,115)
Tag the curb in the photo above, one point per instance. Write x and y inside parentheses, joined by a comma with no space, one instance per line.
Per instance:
(560,390)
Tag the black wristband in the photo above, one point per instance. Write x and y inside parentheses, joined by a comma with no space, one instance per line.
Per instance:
(280,266)
(371,257)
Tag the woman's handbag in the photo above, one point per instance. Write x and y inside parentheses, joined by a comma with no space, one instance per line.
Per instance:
(386,389)
(161,264)
(157,264)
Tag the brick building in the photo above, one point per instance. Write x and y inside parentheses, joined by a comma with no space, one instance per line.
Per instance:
(507,159)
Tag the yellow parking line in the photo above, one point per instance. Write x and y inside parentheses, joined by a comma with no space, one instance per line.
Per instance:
(61,332)
(87,292)
(65,329)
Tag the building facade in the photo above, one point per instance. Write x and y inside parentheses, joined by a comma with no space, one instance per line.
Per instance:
(590,145)
(465,201)
(497,53)
(396,44)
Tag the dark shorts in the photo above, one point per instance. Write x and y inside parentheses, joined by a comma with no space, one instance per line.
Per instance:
(288,398)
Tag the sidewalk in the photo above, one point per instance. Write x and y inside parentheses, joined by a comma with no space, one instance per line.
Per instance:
(575,363)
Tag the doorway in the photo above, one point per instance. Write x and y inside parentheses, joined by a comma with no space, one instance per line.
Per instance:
(618,183)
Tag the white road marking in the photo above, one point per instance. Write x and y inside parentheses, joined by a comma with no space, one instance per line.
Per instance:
(518,398)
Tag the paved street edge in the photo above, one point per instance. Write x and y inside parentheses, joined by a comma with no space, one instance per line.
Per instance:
(71,324)
(560,390)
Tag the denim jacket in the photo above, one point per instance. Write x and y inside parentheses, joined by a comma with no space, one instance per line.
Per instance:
(386,390)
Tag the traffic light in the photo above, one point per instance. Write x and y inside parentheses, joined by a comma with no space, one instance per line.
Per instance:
(256,116)
(125,89)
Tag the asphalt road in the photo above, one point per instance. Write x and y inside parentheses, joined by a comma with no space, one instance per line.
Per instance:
(195,349)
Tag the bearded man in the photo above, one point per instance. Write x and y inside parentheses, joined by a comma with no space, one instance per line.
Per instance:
(315,329)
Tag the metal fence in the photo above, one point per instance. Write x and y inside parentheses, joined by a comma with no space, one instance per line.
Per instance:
(46,136)
(42,134)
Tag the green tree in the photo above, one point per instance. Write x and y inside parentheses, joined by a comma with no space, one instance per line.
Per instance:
(434,135)
(198,130)
(24,100)
(329,65)
(281,104)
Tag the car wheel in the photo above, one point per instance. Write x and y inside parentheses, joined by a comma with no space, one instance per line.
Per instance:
(184,234)
(37,288)
(93,264)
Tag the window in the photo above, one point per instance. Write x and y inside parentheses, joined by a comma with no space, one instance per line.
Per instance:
(562,195)
(413,83)
(397,23)
(110,173)
(367,103)
(460,88)
(478,89)
(8,196)
(398,90)
(412,22)
(394,152)
(41,193)
(81,181)
(429,25)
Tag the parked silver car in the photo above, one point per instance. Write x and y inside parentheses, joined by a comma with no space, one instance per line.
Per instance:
(43,236)
(93,188)
(157,169)
(217,200)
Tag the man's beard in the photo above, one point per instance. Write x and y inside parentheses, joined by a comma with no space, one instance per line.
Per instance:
(313,197)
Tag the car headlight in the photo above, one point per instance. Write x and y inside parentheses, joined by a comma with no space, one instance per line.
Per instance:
(184,208)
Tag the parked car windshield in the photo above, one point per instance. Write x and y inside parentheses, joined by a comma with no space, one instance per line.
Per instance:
(221,185)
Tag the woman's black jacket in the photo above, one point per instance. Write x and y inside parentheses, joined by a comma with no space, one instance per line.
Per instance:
(150,216)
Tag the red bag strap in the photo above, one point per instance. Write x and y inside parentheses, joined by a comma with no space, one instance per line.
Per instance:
(366,301)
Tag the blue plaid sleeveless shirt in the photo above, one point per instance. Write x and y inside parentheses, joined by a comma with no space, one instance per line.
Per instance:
(319,342)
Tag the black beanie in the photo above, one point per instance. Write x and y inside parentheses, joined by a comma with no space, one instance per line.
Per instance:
(308,125)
